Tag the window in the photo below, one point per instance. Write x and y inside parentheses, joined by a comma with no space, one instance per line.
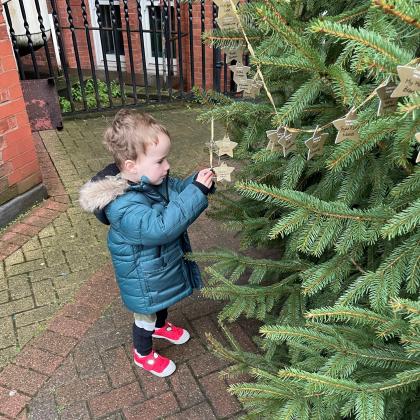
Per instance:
(112,39)
(156,12)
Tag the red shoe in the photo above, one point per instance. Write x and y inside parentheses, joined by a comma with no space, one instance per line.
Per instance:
(154,363)
(175,335)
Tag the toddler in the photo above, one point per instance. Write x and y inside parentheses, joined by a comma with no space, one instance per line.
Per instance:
(148,213)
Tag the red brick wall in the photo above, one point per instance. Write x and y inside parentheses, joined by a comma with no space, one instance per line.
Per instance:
(19,169)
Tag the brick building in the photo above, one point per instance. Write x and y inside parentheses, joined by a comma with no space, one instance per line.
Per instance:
(20,177)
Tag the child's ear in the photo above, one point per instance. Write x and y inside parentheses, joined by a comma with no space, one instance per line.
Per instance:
(129,166)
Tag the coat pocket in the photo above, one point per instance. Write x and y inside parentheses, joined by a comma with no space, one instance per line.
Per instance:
(165,276)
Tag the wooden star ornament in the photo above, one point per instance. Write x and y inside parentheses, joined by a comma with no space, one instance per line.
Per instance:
(228,23)
(239,72)
(315,144)
(387,105)
(273,141)
(225,146)
(418,141)
(253,89)
(243,85)
(409,81)
(220,3)
(346,128)
(287,141)
(223,172)
(234,55)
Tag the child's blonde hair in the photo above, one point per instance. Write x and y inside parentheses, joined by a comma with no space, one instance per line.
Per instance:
(129,135)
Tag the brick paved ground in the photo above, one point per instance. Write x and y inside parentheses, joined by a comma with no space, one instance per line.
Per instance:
(65,342)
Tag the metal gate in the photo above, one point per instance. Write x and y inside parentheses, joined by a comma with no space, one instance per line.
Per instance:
(106,54)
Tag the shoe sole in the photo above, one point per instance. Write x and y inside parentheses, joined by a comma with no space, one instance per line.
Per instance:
(181,340)
(169,370)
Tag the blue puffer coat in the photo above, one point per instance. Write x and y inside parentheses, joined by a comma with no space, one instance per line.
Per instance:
(147,238)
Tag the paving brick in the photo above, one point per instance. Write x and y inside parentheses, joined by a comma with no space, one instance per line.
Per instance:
(47,232)
(201,411)
(7,337)
(44,292)
(26,267)
(22,379)
(68,326)
(87,359)
(55,343)
(185,387)
(16,238)
(64,374)
(25,229)
(28,332)
(11,402)
(19,286)
(39,360)
(185,352)
(206,363)
(215,389)
(242,338)
(4,296)
(77,411)
(31,245)
(158,407)
(34,254)
(205,325)
(81,390)
(40,222)
(84,313)
(116,399)
(54,205)
(16,258)
(203,308)
(16,306)
(150,384)
(7,248)
(35,315)
(43,407)
(118,367)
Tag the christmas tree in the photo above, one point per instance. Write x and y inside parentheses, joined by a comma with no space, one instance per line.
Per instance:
(335,196)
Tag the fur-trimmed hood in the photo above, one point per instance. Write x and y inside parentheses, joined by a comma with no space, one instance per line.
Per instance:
(107,185)
(96,195)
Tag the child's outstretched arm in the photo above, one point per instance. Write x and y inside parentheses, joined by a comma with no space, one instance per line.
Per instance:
(180,184)
(140,224)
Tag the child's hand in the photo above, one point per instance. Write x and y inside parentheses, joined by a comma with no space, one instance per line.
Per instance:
(205,177)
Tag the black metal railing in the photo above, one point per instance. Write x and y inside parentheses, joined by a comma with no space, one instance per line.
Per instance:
(112,53)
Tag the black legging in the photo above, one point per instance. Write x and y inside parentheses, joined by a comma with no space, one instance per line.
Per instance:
(142,339)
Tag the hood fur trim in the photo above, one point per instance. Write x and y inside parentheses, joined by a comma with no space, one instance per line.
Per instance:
(96,195)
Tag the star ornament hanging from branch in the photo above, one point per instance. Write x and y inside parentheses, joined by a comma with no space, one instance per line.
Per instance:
(223,172)
(387,104)
(315,144)
(418,141)
(287,140)
(346,128)
(228,23)
(409,81)
(235,54)
(273,141)
(225,146)
(239,72)
(253,88)
(221,3)
(226,8)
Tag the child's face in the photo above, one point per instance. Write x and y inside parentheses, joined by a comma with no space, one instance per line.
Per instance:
(153,163)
